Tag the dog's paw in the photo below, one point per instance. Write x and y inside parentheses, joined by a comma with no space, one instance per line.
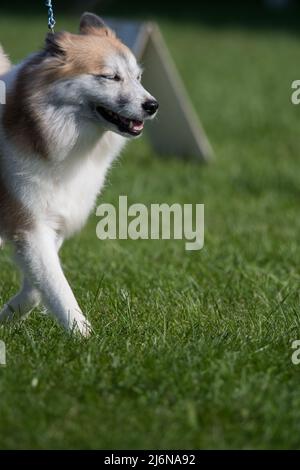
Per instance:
(82,326)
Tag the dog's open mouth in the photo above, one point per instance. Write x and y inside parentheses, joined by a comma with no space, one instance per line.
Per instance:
(129,126)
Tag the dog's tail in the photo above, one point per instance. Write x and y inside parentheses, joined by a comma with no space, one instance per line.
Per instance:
(5,63)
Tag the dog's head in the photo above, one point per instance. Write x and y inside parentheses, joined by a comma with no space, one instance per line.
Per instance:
(97,76)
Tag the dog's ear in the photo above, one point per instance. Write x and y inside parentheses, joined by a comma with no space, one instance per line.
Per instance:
(93,24)
(54,44)
(89,21)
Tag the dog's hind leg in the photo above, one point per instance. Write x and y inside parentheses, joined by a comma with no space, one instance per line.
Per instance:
(22,304)
(38,258)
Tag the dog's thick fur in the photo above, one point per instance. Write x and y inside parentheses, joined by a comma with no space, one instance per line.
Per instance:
(68,113)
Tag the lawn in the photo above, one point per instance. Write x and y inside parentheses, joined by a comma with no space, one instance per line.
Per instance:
(191,349)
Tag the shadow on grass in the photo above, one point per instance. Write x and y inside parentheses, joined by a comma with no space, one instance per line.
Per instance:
(248,14)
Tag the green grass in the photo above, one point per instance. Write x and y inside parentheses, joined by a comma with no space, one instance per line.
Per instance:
(191,349)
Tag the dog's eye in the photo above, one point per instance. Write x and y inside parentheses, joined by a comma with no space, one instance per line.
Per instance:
(115,77)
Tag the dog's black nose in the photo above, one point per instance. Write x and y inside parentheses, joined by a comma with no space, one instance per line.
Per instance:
(150,106)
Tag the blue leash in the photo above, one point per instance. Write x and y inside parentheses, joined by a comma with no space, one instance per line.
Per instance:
(51,19)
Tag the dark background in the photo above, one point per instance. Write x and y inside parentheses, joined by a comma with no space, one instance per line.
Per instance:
(254,14)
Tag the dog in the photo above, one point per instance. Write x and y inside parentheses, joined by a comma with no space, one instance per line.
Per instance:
(69,111)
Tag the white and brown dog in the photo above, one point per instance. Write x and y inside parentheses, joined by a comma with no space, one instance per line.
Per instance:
(69,111)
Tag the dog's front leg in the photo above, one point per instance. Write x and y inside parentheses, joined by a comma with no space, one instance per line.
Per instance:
(38,257)
(21,305)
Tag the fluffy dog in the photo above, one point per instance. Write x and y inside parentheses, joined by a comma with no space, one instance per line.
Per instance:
(69,110)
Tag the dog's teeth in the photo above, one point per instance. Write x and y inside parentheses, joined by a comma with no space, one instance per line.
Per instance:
(130,125)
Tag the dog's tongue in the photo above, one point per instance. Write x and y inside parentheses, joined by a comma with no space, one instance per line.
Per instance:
(137,126)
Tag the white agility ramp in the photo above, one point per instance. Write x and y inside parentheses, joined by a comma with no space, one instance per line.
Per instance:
(177,130)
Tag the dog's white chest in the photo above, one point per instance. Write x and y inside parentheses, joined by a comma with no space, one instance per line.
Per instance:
(62,194)
(69,202)
(72,196)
